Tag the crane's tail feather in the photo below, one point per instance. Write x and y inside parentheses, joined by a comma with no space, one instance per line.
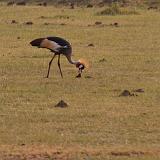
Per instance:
(37,42)
(45,43)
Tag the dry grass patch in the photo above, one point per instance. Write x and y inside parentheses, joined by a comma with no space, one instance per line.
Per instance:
(123,58)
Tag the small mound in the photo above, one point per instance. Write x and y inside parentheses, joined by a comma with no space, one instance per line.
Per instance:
(98,23)
(91,45)
(46,23)
(126,93)
(42,4)
(61,104)
(102,60)
(114,24)
(89,6)
(14,22)
(79,75)
(62,24)
(29,23)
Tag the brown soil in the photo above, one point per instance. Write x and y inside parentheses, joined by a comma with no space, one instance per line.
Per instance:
(43,152)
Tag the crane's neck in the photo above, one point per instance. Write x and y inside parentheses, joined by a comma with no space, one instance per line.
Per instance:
(70,60)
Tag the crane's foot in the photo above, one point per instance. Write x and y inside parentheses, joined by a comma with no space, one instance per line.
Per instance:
(79,75)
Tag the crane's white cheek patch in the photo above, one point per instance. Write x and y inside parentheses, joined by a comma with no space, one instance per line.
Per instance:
(49,44)
(81,66)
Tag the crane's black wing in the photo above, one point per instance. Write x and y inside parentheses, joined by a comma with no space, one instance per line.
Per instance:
(65,46)
(59,41)
(55,44)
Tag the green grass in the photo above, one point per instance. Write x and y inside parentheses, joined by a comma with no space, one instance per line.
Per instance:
(98,124)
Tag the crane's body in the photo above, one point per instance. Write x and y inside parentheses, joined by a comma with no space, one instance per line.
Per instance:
(58,46)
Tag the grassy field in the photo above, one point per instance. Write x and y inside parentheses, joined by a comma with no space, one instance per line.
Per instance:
(98,124)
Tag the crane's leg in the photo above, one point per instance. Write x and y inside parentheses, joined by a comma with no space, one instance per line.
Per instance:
(59,65)
(50,66)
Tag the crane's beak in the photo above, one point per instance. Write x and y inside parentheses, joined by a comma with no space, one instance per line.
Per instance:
(79,75)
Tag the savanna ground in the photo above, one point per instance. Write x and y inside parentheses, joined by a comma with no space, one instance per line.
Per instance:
(98,124)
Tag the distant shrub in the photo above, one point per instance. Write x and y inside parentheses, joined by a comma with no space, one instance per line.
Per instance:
(115,9)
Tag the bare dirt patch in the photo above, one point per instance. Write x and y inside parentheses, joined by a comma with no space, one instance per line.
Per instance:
(44,152)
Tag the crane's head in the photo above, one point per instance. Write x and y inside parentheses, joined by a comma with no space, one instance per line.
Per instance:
(81,65)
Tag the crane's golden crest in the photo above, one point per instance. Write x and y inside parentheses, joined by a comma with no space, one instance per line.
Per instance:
(49,44)
(84,62)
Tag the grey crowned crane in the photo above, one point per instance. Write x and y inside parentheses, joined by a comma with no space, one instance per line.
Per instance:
(59,46)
